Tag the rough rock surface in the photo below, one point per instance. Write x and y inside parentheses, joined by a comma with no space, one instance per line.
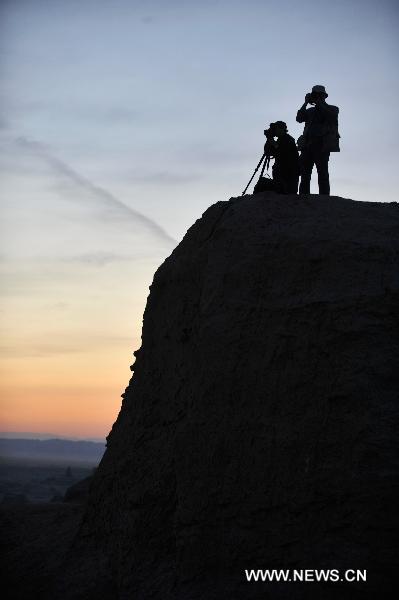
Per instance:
(34,542)
(258,429)
(78,492)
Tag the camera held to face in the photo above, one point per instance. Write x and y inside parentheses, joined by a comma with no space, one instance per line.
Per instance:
(271,132)
(315,96)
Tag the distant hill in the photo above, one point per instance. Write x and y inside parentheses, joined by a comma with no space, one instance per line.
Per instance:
(34,435)
(52,449)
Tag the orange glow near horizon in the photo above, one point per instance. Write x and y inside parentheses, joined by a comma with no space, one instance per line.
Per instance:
(79,396)
(67,346)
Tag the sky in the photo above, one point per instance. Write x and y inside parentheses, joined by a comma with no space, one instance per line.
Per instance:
(121,121)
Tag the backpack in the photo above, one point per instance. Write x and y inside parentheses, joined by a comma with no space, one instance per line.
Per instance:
(330,138)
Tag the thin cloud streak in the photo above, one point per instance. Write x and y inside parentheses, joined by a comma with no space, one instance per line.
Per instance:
(98,259)
(107,199)
(64,346)
(162,178)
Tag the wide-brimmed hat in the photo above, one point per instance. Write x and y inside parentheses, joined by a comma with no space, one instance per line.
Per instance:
(319,89)
(281,124)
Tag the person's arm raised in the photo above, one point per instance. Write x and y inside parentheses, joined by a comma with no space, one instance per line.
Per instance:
(301,115)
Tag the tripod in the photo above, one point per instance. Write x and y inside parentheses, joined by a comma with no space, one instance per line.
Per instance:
(266,161)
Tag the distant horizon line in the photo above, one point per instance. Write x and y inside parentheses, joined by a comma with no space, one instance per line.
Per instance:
(34,435)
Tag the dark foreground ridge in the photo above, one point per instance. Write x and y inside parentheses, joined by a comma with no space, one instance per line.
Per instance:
(258,429)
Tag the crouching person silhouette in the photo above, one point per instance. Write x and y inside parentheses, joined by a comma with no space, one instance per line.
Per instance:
(320,137)
(286,158)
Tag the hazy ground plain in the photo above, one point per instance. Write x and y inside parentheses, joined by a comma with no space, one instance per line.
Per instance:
(31,481)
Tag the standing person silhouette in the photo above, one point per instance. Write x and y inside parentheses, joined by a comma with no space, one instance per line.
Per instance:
(320,137)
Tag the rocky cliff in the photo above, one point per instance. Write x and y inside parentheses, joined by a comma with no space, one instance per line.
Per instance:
(258,429)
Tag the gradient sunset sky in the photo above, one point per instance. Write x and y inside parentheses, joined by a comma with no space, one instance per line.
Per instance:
(121,122)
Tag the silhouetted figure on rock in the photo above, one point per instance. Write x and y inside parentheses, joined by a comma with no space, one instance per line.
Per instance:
(286,161)
(320,137)
(286,164)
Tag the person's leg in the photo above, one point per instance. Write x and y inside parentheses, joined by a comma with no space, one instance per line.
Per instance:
(277,182)
(322,172)
(291,185)
(306,164)
(293,189)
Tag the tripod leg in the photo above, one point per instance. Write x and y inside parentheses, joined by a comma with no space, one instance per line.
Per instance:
(265,162)
(253,175)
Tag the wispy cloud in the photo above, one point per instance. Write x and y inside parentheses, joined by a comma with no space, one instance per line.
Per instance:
(87,111)
(162,177)
(106,200)
(98,259)
(214,155)
(63,344)
(147,20)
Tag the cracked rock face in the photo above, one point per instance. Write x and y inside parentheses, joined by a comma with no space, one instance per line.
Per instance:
(258,429)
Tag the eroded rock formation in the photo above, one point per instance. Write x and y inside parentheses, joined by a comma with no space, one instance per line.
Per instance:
(258,429)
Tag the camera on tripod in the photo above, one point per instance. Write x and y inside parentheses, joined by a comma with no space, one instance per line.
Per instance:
(265,183)
(271,132)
